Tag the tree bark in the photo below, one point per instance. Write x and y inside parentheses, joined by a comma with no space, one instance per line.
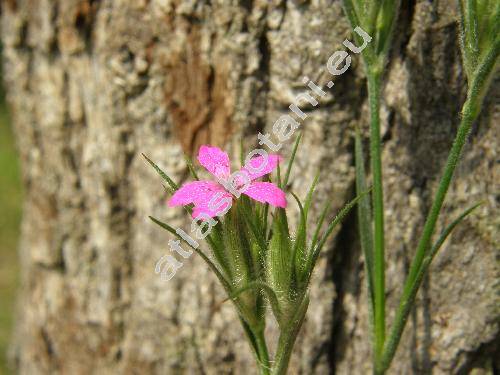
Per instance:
(92,84)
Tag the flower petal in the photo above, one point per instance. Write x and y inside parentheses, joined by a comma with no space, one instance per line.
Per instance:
(262,164)
(266,192)
(199,210)
(217,205)
(214,160)
(196,192)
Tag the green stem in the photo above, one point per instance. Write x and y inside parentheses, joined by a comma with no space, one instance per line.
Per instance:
(284,352)
(378,214)
(478,86)
(287,338)
(262,351)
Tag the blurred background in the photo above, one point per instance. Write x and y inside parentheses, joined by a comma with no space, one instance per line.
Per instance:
(10,213)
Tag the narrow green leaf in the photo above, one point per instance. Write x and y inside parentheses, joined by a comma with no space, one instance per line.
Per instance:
(321,219)
(164,226)
(350,11)
(462,39)
(372,12)
(190,165)
(364,213)
(168,189)
(299,247)
(278,176)
(309,195)
(471,31)
(265,219)
(447,231)
(313,256)
(482,76)
(214,268)
(407,302)
(356,18)
(386,24)
(251,338)
(242,153)
(169,181)
(292,159)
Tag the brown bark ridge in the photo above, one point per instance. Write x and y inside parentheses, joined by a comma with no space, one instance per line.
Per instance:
(92,84)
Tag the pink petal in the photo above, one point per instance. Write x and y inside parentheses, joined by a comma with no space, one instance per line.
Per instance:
(266,192)
(194,192)
(265,165)
(215,205)
(197,211)
(214,160)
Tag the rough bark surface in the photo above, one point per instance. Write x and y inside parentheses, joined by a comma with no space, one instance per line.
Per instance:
(92,84)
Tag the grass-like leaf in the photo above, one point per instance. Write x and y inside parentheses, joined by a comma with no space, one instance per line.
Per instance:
(278,176)
(321,220)
(212,266)
(163,175)
(350,12)
(251,339)
(407,303)
(265,219)
(168,189)
(313,256)
(447,231)
(242,152)
(471,31)
(190,165)
(364,213)
(385,25)
(292,159)
(299,247)
(309,196)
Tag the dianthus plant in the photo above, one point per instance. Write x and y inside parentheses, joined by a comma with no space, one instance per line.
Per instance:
(252,252)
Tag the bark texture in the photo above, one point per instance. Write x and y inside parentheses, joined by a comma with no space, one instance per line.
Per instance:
(92,84)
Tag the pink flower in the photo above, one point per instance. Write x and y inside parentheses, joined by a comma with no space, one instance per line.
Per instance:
(207,195)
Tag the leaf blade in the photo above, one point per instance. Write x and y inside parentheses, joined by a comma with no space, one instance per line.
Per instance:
(292,159)
(163,175)
(364,213)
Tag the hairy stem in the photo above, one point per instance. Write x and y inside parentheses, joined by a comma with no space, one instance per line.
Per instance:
(287,338)
(262,352)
